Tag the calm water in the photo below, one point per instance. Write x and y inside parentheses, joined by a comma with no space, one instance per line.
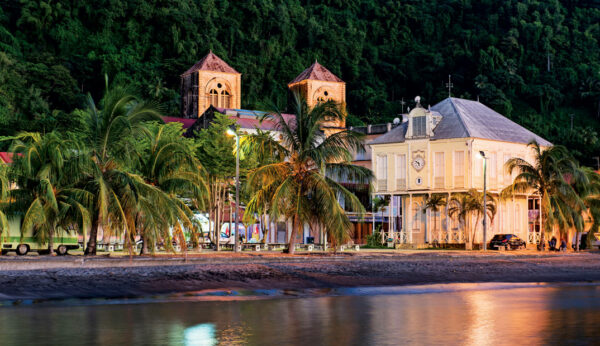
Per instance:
(471,314)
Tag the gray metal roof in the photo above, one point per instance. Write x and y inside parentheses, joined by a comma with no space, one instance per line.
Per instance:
(468,119)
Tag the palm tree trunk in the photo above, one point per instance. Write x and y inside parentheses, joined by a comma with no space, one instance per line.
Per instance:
(292,243)
(91,247)
(51,241)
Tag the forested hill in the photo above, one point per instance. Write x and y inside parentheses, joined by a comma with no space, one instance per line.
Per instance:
(538,62)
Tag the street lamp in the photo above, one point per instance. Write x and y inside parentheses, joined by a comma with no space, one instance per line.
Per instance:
(231,132)
(482,155)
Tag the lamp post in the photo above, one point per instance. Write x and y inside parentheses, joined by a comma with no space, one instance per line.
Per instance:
(231,131)
(482,154)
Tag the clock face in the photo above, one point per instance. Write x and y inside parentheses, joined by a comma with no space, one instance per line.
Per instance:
(418,163)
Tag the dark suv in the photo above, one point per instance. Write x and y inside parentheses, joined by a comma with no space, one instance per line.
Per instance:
(507,241)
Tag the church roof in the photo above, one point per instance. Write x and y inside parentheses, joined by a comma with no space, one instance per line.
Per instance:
(316,71)
(468,119)
(211,62)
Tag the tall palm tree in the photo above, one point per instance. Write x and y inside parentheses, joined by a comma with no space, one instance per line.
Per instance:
(46,169)
(167,161)
(109,133)
(469,204)
(545,176)
(434,203)
(301,185)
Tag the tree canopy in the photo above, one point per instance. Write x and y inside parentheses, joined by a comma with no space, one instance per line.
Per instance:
(537,62)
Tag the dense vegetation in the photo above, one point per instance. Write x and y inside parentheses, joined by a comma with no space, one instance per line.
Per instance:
(538,62)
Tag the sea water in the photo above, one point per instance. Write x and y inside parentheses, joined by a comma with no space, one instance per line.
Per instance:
(453,314)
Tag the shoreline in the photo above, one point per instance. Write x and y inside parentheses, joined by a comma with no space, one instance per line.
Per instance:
(33,277)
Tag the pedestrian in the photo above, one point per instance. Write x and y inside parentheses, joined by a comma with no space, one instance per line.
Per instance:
(563,245)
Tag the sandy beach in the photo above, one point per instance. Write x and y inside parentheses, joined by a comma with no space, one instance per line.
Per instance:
(44,277)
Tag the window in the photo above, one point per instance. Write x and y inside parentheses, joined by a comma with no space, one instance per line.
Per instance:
(214,97)
(419,128)
(439,170)
(459,169)
(416,226)
(504,170)
(400,171)
(382,172)
(517,218)
(493,166)
(225,99)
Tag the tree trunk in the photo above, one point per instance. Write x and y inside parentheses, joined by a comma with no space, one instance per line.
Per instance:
(91,247)
(51,241)
(292,243)
(144,249)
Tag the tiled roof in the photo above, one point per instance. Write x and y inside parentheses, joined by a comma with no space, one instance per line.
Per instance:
(6,157)
(187,123)
(251,119)
(211,62)
(468,119)
(316,71)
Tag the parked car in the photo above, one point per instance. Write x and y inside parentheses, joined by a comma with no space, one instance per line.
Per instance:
(507,241)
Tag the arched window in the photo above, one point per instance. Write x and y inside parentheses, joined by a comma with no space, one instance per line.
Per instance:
(225,99)
(214,97)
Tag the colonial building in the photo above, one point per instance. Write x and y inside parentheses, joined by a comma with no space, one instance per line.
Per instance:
(435,151)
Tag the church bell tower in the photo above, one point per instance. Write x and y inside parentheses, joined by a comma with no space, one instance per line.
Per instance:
(318,84)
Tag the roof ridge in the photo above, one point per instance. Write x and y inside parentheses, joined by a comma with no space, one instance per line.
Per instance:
(459,116)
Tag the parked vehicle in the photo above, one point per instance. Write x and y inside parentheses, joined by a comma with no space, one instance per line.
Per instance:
(507,242)
(24,243)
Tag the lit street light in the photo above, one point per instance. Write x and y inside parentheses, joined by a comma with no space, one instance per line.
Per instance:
(231,132)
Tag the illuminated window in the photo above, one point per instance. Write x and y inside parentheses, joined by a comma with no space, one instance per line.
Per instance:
(459,169)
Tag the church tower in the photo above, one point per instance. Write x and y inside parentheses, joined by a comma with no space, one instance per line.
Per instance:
(211,81)
(317,84)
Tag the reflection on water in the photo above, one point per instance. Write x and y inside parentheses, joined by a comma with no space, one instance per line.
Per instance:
(437,315)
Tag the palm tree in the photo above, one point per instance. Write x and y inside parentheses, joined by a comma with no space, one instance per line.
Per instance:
(464,205)
(4,193)
(46,169)
(167,161)
(545,176)
(434,203)
(109,134)
(301,185)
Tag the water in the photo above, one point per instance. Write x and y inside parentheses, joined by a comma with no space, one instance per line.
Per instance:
(470,314)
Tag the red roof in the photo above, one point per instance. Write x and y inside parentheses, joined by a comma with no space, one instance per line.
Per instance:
(317,71)
(187,123)
(6,157)
(211,62)
(267,124)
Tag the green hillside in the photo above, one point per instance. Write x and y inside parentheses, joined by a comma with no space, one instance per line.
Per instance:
(537,62)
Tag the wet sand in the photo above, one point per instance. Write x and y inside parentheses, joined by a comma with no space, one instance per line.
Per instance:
(44,277)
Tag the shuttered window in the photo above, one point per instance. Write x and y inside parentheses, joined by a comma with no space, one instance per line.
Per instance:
(401,172)
(439,170)
(459,169)
(382,172)
(419,126)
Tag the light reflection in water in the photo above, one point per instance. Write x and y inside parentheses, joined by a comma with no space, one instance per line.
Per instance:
(202,334)
(532,315)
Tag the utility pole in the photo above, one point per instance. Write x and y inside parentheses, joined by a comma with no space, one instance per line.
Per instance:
(482,153)
(232,132)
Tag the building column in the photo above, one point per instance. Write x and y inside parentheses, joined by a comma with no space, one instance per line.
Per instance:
(410,218)
(447,218)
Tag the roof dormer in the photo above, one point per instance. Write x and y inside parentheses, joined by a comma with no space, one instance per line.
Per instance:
(421,122)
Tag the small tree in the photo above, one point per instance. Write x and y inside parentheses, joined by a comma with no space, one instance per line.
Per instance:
(434,203)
